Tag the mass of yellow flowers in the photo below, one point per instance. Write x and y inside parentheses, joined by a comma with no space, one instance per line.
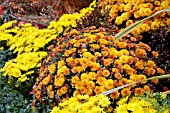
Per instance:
(27,40)
(83,104)
(137,105)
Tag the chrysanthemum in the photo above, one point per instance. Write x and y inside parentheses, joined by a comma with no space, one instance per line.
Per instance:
(104,53)
(105,73)
(92,75)
(118,75)
(63,89)
(97,54)
(142,78)
(49,88)
(51,94)
(122,44)
(146,88)
(38,95)
(75,79)
(151,63)
(160,71)
(138,91)
(114,94)
(124,59)
(123,81)
(125,92)
(46,80)
(52,68)
(109,84)
(76,92)
(84,76)
(83,89)
(101,80)
(107,62)
(139,65)
(78,85)
(155,81)
(90,84)
(97,90)
(141,53)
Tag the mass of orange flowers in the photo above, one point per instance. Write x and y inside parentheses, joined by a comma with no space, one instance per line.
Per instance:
(91,61)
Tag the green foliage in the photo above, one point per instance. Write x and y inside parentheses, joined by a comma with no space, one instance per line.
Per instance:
(11,100)
(161,100)
(5,56)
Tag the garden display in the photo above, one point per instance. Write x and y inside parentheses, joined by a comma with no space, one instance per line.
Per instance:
(92,56)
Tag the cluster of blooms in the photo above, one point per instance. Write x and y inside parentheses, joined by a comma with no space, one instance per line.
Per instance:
(90,61)
(138,105)
(27,41)
(83,103)
(126,12)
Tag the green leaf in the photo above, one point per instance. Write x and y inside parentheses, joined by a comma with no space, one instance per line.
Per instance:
(136,24)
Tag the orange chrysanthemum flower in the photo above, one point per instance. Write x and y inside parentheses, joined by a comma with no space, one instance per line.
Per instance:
(38,95)
(130,60)
(83,90)
(74,70)
(75,79)
(155,54)
(59,93)
(97,54)
(141,53)
(67,53)
(67,71)
(101,80)
(150,71)
(46,80)
(63,89)
(52,68)
(160,71)
(122,44)
(115,70)
(105,73)
(78,85)
(118,75)
(138,91)
(92,75)
(107,62)
(129,22)
(155,81)
(151,63)
(104,53)
(146,88)
(52,94)
(142,78)
(59,81)
(139,65)
(92,58)
(90,84)
(125,92)
(76,92)
(97,90)
(89,91)
(115,95)
(123,81)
